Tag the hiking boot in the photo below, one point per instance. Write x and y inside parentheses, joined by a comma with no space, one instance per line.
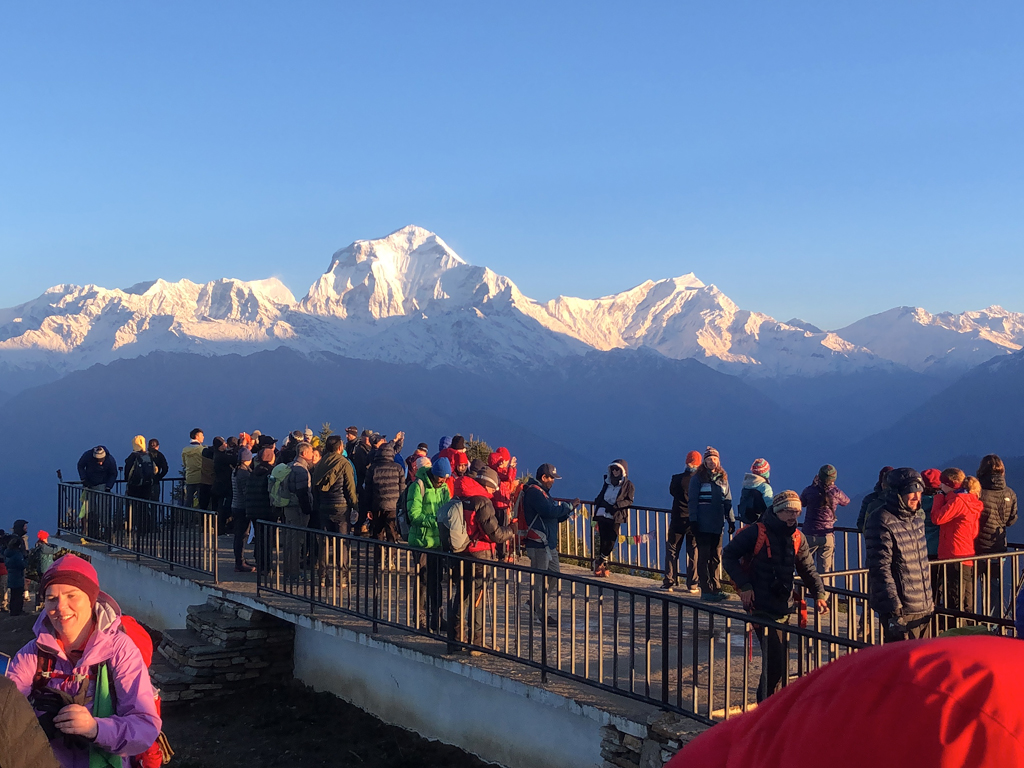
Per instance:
(668,586)
(694,590)
(714,597)
(244,568)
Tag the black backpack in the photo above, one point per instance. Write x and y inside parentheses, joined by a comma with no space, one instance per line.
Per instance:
(142,471)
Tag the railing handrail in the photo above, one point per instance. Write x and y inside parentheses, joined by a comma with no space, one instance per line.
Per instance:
(78,484)
(371,595)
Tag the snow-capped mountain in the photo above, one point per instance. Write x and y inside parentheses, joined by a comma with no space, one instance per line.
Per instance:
(409,298)
(921,341)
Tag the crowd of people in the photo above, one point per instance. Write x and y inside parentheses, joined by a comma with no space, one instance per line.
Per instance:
(361,484)
(22,565)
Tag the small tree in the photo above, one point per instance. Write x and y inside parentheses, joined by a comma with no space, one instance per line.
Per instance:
(325,432)
(478,449)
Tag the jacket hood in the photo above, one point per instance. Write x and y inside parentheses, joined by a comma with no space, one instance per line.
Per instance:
(753,481)
(498,456)
(467,487)
(621,464)
(444,442)
(107,614)
(992,482)
(385,454)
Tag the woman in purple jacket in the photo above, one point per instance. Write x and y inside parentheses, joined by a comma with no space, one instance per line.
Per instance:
(821,498)
(86,679)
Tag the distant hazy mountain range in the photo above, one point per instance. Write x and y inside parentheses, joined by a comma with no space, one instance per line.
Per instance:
(401,333)
(408,298)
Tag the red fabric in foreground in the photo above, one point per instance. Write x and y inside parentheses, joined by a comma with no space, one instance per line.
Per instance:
(947,703)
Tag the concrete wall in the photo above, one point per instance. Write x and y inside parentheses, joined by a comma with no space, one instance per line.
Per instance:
(499,719)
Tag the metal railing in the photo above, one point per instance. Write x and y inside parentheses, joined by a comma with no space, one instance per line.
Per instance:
(642,543)
(166,490)
(672,652)
(171,534)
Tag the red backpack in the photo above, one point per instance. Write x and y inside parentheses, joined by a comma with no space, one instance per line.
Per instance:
(762,543)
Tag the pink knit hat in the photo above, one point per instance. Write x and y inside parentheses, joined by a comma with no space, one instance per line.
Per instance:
(75,572)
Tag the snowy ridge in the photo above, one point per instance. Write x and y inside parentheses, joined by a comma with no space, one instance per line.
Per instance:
(409,298)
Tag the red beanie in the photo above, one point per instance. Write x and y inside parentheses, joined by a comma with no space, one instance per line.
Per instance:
(75,572)
(43,536)
(693,458)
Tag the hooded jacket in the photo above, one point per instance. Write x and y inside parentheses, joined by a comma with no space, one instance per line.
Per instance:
(999,513)
(899,579)
(334,485)
(93,472)
(770,572)
(871,502)
(543,514)
(136,724)
(385,481)
(618,509)
(482,526)
(755,498)
(422,502)
(709,510)
(957,514)
(945,703)
(502,498)
(821,504)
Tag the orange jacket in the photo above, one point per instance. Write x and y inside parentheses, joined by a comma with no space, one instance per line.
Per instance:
(957,515)
(948,703)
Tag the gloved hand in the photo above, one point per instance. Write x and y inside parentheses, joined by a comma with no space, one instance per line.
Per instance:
(896,625)
(732,528)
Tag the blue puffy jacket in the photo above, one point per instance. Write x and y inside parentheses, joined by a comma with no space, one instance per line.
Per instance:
(92,472)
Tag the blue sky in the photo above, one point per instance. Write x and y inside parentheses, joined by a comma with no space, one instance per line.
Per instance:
(818,160)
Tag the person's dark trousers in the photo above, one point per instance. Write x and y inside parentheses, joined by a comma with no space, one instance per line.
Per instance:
(141,512)
(608,533)
(709,555)
(678,532)
(957,590)
(918,625)
(154,491)
(192,494)
(17,603)
(385,526)
(989,575)
(336,521)
(466,606)
(774,657)
(263,545)
(241,525)
(430,593)
(205,496)
(222,506)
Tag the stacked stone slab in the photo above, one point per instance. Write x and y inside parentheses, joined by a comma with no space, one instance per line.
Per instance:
(224,647)
(666,734)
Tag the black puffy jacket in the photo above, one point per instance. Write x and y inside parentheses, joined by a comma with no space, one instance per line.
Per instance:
(899,580)
(257,494)
(770,572)
(222,467)
(385,481)
(1000,513)
(870,502)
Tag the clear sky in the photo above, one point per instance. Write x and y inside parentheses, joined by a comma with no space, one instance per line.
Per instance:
(821,160)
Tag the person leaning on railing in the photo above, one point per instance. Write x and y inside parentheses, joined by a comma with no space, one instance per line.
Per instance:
(760,560)
(611,509)
(1000,513)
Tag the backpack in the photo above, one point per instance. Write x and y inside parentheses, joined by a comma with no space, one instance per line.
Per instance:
(451,524)
(762,541)
(143,471)
(277,486)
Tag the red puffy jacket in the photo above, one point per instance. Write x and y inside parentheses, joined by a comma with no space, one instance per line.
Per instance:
(948,703)
(957,514)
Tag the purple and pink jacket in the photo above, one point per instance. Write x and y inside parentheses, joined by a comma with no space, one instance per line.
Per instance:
(136,725)
(821,504)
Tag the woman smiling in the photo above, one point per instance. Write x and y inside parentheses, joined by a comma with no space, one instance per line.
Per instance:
(85,677)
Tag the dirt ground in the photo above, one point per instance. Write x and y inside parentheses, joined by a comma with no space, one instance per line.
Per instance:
(289,726)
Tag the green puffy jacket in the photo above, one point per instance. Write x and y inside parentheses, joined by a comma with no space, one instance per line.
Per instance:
(422,503)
